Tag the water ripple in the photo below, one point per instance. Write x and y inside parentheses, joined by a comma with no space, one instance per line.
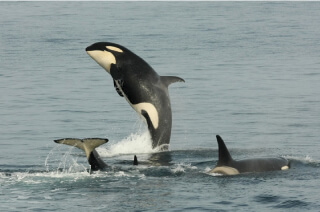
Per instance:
(292,204)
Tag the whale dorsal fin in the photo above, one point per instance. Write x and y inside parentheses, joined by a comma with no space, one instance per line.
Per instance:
(224,155)
(168,80)
(135,160)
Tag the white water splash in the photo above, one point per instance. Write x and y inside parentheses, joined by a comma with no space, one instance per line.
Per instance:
(182,167)
(66,160)
(62,162)
(134,144)
(207,171)
(303,159)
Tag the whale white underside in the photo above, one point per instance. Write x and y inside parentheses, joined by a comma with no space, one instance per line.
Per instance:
(144,106)
(227,170)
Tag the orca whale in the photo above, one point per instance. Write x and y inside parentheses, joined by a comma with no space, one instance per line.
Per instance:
(227,166)
(88,145)
(136,81)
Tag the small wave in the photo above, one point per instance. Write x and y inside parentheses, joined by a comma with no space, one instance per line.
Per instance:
(215,174)
(41,177)
(181,167)
(207,169)
(304,160)
(267,198)
(64,177)
(292,204)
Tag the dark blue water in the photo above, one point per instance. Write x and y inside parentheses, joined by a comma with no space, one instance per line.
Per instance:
(252,74)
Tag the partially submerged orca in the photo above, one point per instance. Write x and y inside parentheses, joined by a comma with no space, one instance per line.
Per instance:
(88,145)
(227,166)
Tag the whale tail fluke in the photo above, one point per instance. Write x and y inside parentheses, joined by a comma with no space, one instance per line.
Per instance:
(168,80)
(87,144)
(224,155)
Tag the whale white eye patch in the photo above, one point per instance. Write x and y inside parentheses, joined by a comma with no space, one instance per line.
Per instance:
(113,48)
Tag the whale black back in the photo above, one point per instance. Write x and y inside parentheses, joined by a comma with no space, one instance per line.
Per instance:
(226,164)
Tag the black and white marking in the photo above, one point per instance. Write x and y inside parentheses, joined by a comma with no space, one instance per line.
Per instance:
(141,86)
(227,166)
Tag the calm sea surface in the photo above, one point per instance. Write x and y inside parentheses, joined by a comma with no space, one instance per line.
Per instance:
(252,73)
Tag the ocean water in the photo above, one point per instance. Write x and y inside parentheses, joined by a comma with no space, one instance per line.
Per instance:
(252,72)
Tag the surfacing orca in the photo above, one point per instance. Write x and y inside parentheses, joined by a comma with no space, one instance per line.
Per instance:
(141,86)
(227,166)
(88,145)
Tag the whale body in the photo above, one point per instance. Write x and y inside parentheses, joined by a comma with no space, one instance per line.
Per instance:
(136,81)
(228,166)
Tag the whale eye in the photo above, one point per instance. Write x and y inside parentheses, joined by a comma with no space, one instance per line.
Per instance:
(113,48)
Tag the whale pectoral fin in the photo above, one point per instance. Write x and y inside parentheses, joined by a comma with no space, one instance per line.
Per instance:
(115,72)
(147,117)
(117,88)
(117,78)
(168,80)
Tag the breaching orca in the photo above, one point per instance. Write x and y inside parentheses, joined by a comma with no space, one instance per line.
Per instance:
(227,166)
(140,85)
